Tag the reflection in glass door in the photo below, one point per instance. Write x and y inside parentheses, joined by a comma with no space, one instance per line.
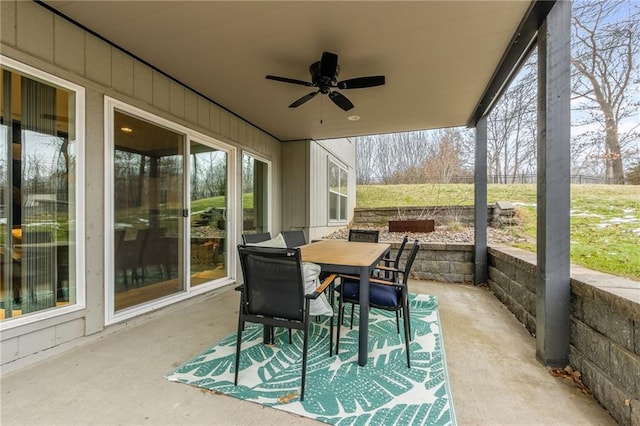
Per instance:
(209,219)
(255,195)
(148,211)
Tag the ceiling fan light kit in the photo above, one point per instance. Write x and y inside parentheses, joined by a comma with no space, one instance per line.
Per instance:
(324,77)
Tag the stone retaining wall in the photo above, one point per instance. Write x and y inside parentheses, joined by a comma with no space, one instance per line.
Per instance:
(440,262)
(443,215)
(605,326)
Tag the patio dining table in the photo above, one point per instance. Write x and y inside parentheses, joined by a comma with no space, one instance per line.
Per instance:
(354,258)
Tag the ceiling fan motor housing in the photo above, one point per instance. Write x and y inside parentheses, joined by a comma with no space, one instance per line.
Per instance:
(323,82)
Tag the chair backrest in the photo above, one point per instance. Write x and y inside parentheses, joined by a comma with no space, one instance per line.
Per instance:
(273,282)
(364,235)
(410,259)
(396,263)
(256,238)
(294,238)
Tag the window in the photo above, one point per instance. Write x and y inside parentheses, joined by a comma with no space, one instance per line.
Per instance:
(255,195)
(40,171)
(337,192)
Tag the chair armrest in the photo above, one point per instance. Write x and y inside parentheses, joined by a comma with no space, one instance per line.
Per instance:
(388,268)
(373,280)
(320,289)
(239,288)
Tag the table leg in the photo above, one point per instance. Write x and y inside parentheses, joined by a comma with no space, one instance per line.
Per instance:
(363,335)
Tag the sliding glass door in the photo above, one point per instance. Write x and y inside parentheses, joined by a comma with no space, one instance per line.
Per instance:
(148,235)
(171,212)
(209,217)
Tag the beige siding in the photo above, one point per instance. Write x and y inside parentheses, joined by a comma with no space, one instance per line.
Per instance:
(341,151)
(34,36)
(295,185)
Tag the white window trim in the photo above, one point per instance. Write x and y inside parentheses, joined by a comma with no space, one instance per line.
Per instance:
(344,168)
(269,183)
(111,317)
(79,242)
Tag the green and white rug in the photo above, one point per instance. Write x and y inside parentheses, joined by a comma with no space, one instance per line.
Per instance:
(338,391)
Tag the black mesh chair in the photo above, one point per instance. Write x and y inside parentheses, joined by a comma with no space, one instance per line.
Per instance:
(389,267)
(387,295)
(364,235)
(256,238)
(273,294)
(294,238)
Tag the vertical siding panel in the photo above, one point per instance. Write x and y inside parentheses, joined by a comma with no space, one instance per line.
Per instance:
(203,113)
(295,184)
(98,65)
(224,122)
(8,22)
(233,127)
(176,99)
(122,72)
(190,106)
(214,119)
(161,97)
(69,52)
(35,30)
(142,82)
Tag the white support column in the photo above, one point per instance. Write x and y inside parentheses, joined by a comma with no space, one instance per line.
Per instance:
(480,204)
(553,290)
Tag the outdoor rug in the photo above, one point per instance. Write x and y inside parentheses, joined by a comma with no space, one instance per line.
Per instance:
(338,391)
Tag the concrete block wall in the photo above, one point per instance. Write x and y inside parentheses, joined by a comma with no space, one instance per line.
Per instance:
(451,263)
(442,214)
(605,326)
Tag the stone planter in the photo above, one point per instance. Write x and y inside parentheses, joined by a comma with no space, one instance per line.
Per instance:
(412,225)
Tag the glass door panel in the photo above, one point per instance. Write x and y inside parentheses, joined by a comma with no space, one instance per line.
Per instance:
(148,211)
(255,195)
(209,219)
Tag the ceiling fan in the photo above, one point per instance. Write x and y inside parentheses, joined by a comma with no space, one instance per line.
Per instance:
(324,76)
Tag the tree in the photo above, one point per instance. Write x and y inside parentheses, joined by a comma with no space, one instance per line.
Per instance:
(511,128)
(605,52)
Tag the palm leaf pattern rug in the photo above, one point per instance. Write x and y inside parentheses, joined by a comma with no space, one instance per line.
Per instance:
(338,391)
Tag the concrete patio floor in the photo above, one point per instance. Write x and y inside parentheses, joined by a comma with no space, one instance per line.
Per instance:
(117,379)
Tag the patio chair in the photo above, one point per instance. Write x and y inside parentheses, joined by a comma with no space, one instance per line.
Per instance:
(294,238)
(386,295)
(255,238)
(273,294)
(389,266)
(364,235)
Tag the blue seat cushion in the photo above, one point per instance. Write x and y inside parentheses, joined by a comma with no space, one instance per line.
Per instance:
(379,294)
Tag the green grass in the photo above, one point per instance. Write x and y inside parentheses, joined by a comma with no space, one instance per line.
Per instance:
(599,239)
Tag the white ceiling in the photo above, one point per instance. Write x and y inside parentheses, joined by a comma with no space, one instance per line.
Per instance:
(437,56)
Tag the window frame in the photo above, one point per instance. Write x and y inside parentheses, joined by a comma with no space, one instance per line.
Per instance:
(269,187)
(79,240)
(342,198)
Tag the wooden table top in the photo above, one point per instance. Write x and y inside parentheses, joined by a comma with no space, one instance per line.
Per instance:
(341,252)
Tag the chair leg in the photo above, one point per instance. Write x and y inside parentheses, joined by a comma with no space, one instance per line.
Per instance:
(305,341)
(398,320)
(340,319)
(407,333)
(353,307)
(238,343)
(331,289)
(406,313)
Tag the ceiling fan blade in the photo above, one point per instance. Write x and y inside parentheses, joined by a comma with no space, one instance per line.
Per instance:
(328,64)
(361,82)
(303,99)
(288,80)
(341,100)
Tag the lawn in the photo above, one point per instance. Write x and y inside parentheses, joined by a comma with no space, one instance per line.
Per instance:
(605,219)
